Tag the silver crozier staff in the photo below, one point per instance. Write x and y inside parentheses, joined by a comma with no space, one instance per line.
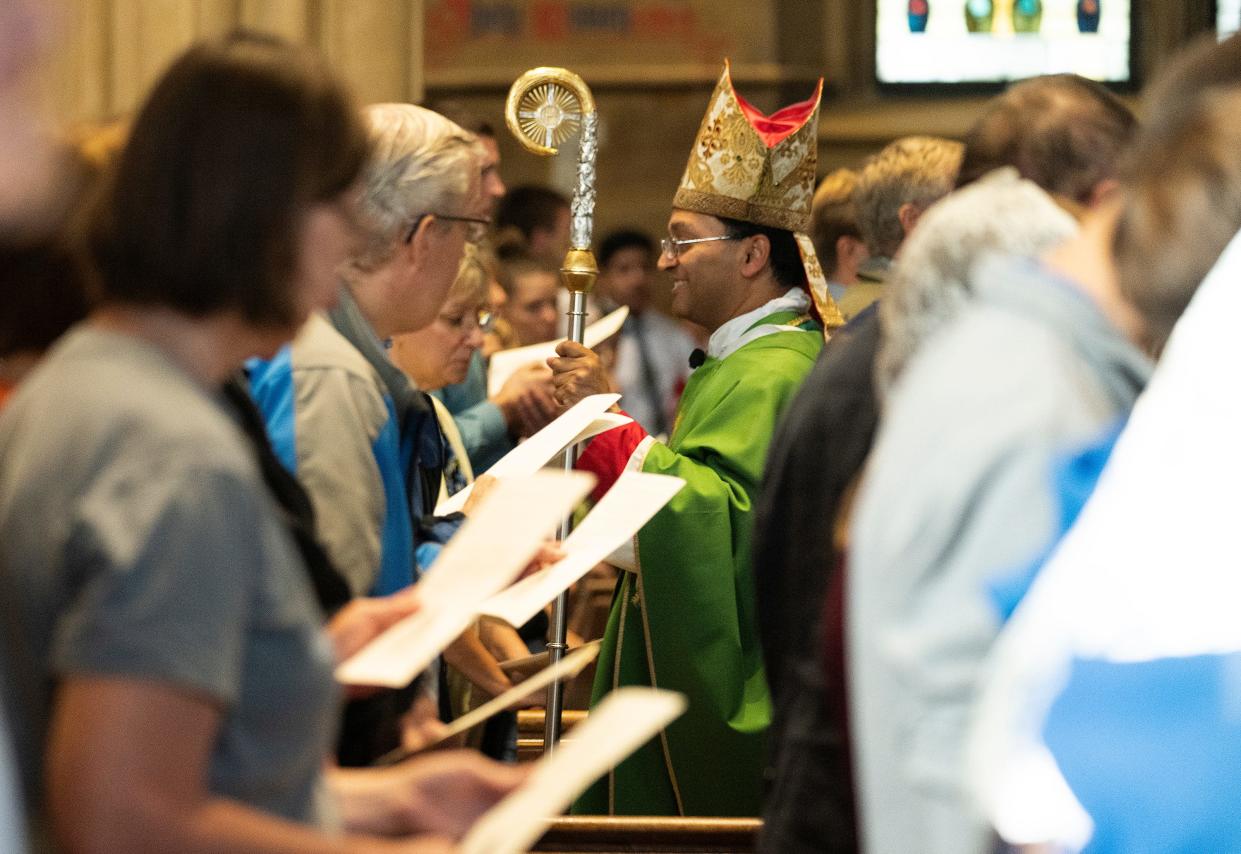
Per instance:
(545,107)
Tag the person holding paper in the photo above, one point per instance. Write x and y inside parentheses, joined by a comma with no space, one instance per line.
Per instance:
(439,354)
(434,357)
(162,664)
(1105,716)
(683,616)
(348,423)
(343,418)
(489,425)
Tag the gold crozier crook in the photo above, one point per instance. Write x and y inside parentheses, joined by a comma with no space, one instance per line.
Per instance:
(545,107)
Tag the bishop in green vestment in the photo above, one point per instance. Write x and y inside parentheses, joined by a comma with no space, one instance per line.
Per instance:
(682,616)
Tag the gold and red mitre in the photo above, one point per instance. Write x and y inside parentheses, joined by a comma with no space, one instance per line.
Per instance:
(759,169)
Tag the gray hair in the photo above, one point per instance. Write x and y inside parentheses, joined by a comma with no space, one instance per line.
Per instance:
(420,163)
(1002,213)
(917,170)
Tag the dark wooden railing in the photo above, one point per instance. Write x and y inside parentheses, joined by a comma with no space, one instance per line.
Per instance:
(530,731)
(646,835)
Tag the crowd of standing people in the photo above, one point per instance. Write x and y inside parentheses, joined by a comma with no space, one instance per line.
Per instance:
(950,561)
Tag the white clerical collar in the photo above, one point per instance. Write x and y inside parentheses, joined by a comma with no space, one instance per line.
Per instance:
(733,334)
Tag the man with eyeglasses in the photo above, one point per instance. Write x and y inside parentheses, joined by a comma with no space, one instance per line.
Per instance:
(683,615)
(652,350)
(363,441)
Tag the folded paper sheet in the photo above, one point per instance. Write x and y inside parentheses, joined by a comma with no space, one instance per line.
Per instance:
(627,719)
(584,419)
(506,362)
(602,424)
(492,547)
(619,515)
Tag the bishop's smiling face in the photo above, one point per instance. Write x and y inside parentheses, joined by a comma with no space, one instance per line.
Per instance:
(704,275)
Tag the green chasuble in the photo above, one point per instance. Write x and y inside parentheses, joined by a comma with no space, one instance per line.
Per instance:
(685,621)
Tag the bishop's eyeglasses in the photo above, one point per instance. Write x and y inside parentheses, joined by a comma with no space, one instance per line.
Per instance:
(670,247)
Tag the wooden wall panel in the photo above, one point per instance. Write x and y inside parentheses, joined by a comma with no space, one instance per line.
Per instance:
(146,36)
(288,18)
(368,42)
(110,52)
(76,79)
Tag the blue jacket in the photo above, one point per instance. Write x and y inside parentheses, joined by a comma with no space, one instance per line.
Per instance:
(365,444)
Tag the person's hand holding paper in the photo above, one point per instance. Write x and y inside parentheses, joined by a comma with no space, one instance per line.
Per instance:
(505,362)
(550,553)
(365,618)
(442,794)
(625,720)
(588,418)
(504,534)
(483,484)
(527,400)
(516,697)
(614,521)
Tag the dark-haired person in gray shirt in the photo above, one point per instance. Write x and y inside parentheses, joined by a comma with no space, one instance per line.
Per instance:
(163,662)
(137,540)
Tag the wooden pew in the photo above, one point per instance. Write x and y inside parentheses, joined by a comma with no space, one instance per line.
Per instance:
(648,835)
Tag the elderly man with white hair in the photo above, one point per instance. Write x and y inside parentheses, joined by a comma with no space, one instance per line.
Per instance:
(337,410)
(347,422)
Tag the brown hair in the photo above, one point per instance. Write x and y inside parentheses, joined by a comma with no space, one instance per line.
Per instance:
(237,139)
(530,207)
(1182,207)
(917,170)
(1182,180)
(513,269)
(833,216)
(1061,131)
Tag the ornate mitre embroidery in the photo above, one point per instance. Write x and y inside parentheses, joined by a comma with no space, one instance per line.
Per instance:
(748,166)
(798,150)
(759,169)
(829,312)
(728,157)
